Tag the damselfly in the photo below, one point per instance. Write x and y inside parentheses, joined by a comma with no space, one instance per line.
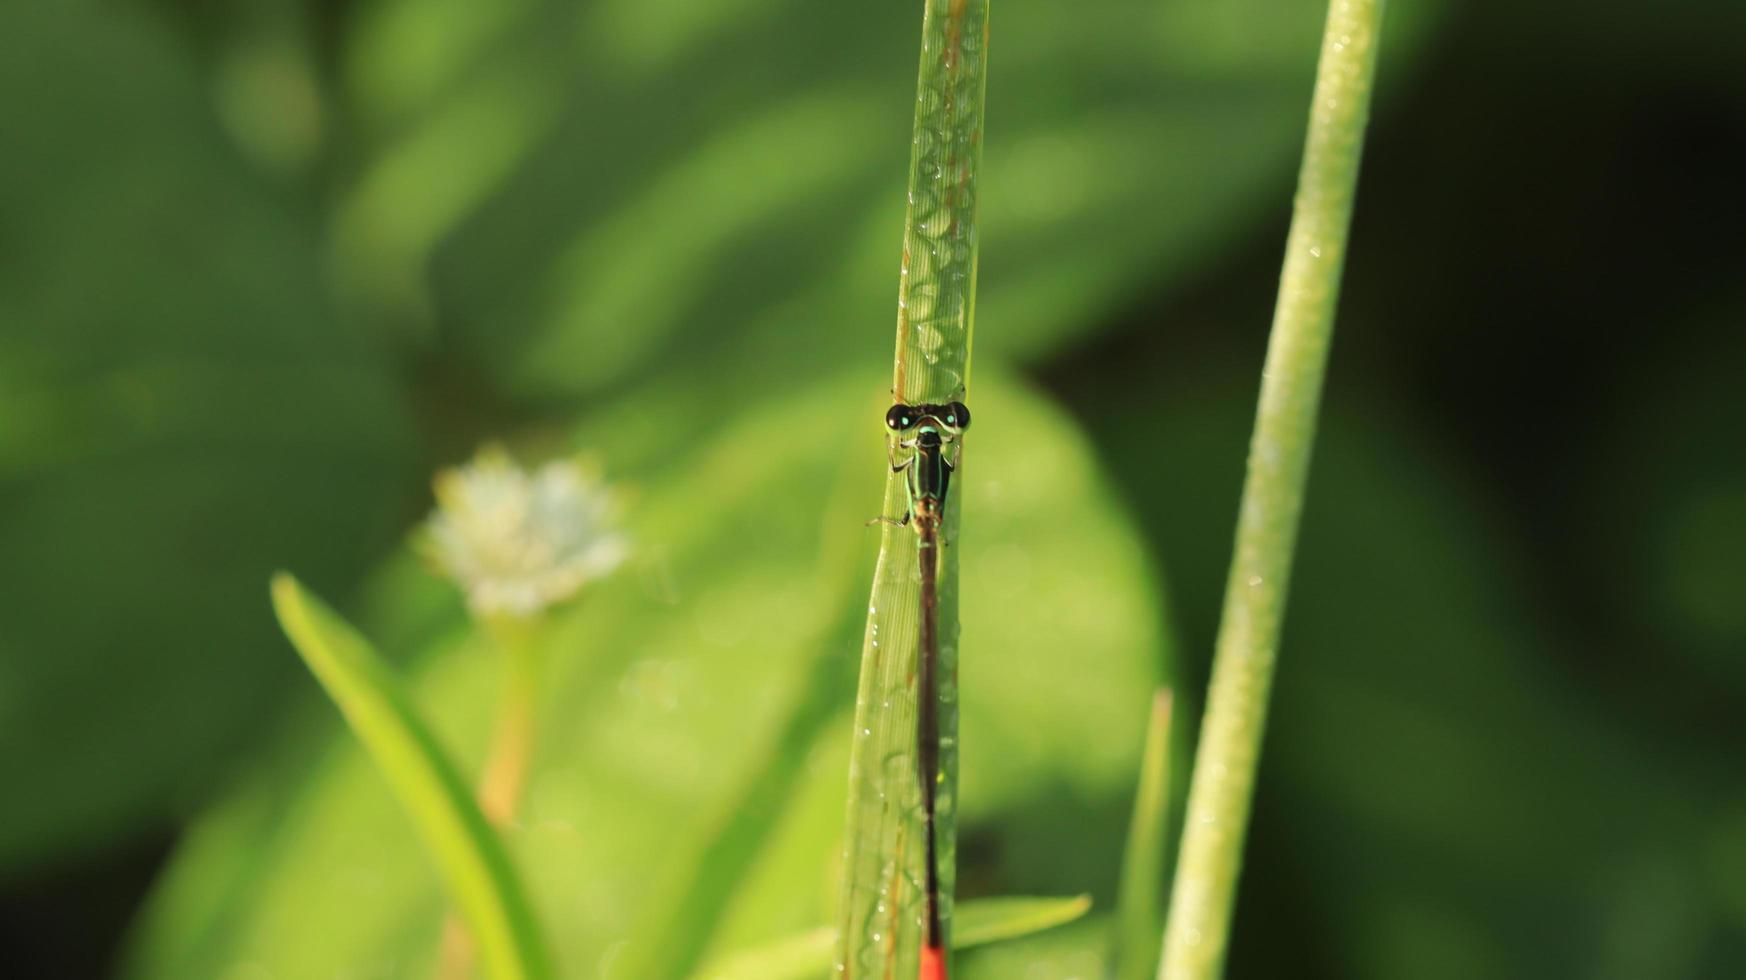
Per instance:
(925,447)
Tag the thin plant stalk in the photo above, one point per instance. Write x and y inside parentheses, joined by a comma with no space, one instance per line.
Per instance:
(881,913)
(1139,920)
(504,779)
(1198,932)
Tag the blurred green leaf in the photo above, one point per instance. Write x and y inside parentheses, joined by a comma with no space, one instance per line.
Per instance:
(986,921)
(438,803)
(991,920)
(1139,909)
(695,733)
(1075,952)
(1678,540)
(1471,761)
(709,186)
(180,411)
(806,955)
(650,197)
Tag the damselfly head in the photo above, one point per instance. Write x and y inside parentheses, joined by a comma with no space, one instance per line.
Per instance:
(952,415)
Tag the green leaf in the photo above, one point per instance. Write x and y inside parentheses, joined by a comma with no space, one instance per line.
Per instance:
(986,921)
(992,920)
(575,245)
(211,413)
(480,879)
(1076,951)
(896,837)
(695,724)
(176,420)
(1139,909)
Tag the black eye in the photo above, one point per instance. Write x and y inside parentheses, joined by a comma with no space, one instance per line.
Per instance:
(898,417)
(958,415)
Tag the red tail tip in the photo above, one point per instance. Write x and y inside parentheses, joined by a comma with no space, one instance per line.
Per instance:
(933,963)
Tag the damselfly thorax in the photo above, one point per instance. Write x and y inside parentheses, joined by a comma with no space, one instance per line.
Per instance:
(925,449)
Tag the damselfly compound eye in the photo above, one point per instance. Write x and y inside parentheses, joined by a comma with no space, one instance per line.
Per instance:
(899,417)
(958,415)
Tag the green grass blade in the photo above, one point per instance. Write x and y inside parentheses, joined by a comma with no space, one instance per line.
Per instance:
(937,288)
(989,920)
(880,914)
(1279,457)
(1139,913)
(993,920)
(802,957)
(474,866)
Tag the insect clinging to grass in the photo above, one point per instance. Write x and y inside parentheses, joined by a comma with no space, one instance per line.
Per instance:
(925,446)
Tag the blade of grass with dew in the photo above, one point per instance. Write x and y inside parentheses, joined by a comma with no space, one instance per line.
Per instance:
(476,869)
(988,920)
(1279,455)
(881,910)
(1139,914)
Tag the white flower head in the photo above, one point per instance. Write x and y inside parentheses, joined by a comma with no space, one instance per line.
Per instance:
(518,542)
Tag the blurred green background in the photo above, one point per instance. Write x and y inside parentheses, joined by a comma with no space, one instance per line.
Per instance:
(265,266)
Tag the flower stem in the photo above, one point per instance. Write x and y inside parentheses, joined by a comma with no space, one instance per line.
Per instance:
(504,780)
(512,745)
(1196,939)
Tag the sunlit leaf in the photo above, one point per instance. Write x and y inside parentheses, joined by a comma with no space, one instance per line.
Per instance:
(979,922)
(438,804)
(696,720)
(679,203)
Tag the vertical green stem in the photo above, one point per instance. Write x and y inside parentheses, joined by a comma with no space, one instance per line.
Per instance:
(881,908)
(1279,454)
(1139,918)
(504,780)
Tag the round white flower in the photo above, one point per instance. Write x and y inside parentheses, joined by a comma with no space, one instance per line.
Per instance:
(518,542)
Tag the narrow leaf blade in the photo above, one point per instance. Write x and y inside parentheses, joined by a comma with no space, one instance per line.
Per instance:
(993,920)
(881,914)
(978,923)
(1139,915)
(473,863)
